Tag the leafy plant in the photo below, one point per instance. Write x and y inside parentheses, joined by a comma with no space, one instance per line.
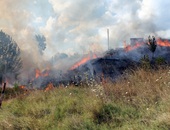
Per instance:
(160,60)
(152,45)
(10,60)
(16,86)
(41,40)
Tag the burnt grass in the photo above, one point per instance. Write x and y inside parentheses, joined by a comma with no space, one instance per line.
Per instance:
(113,65)
(105,93)
(139,101)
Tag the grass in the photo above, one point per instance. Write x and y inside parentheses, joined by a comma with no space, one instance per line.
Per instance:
(139,102)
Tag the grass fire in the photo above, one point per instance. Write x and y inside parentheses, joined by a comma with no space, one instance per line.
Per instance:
(84,65)
(96,93)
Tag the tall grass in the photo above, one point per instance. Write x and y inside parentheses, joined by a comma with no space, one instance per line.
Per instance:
(141,101)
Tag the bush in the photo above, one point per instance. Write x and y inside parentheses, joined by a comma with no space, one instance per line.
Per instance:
(160,61)
(145,62)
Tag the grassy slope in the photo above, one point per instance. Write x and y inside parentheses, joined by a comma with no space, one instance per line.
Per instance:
(140,102)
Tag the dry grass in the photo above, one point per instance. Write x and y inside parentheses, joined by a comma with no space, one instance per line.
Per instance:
(141,86)
(141,101)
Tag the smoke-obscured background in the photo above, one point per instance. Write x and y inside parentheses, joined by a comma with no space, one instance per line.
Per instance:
(74,28)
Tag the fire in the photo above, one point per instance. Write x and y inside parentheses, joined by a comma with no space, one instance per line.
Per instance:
(130,47)
(165,43)
(83,61)
(50,86)
(38,73)
(22,87)
(160,42)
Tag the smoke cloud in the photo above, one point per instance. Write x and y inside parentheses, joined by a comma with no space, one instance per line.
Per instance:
(80,26)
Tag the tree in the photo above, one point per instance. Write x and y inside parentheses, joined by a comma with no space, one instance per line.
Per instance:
(10,61)
(152,45)
(41,43)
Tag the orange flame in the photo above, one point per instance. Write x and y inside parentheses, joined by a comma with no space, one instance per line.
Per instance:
(130,47)
(22,87)
(50,86)
(83,61)
(165,43)
(38,73)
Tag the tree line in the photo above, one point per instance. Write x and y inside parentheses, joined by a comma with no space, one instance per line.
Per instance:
(10,54)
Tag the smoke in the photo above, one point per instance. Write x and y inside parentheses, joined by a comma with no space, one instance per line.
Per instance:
(139,19)
(15,22)
(79,26)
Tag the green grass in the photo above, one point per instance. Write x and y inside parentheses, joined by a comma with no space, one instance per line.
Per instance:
(139,102)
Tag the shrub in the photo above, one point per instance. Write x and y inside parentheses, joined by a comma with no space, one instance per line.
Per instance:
(160,60)
(145,62)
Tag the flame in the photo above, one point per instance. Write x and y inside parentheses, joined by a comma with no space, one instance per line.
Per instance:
(165,43)
(50,86)
(38,73)
(94,56)
(22,87)
(83,61)
(130,47)
(160,42)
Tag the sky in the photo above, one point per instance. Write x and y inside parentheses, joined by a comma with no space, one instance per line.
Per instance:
(80,26)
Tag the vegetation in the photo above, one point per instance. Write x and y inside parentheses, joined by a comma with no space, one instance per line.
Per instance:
(152,45)
(141,101)
(41,41)
(145,62)
(10,61)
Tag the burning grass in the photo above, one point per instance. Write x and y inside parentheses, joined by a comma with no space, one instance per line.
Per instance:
(141,101)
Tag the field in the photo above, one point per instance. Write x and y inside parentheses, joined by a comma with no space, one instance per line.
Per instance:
(139,102)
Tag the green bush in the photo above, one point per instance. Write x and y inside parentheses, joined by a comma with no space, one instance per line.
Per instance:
(160,61)
(16,87)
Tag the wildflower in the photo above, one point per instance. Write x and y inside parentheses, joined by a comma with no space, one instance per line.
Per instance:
(147,109)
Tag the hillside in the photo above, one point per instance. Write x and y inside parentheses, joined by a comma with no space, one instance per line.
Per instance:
(141,101)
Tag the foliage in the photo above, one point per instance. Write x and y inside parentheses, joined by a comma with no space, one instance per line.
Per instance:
(41,43)
(141,101)
(10,61)
(152,44)
(16,86)
(145,62)
(160,61)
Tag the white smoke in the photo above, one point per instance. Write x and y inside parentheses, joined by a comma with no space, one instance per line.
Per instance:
(80,26)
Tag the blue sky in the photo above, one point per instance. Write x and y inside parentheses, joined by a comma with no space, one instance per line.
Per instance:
(80,26)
